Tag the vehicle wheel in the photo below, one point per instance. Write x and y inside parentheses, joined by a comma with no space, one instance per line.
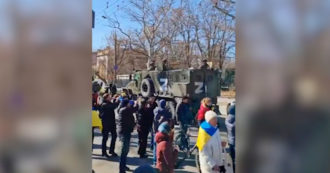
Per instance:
(113,89)
(147,87)
(96,86)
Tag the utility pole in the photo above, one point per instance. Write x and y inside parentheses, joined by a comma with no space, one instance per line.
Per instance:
(115,58)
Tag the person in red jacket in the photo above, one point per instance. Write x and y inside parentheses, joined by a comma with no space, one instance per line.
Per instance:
(206,105)
(166,154)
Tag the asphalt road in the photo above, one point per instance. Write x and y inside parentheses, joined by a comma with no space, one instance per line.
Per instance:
(103,165)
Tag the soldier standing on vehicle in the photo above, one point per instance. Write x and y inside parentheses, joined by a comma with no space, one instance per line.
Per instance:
(184,113)
(164,64)
(151,65)
(204,65)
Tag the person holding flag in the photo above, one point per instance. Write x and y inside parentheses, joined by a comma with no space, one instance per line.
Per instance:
(209,145)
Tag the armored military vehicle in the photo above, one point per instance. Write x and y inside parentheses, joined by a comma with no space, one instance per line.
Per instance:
(172,85)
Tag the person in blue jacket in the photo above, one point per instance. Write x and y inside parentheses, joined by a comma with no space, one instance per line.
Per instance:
(162,114)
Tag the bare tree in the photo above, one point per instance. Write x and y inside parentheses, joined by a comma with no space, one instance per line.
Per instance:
(149,16)
(182,32)
(117,55)
(224,8)
(214,33)
(183,22)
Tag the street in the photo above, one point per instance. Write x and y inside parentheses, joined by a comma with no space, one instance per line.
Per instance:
(103,165)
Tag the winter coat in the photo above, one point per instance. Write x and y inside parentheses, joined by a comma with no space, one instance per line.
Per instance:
(230,124)
(211,154)
(107,115)
(201,113)
(184,113)
(125,120)
(166,155)
(161,115)
(145,116)
(95,101)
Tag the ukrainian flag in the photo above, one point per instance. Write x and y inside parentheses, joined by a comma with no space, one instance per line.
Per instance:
(96,121)
(205,132)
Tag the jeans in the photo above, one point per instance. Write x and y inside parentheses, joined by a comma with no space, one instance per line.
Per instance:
(125,140)
(154,152)
(184,127)
(232,154)
(105,136)
(143,141)
(152,140)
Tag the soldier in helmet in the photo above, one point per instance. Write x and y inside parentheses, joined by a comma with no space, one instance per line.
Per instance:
(151,65)
(204,65)
(164,64)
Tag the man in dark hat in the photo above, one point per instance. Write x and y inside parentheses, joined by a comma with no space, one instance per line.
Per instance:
(164,64)
(151,65)
(204,65)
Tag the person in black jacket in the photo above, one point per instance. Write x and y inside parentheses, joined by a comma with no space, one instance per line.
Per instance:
(125,126)
(107,115)
(141,128)
(184,113)
(151,105)
(145,118)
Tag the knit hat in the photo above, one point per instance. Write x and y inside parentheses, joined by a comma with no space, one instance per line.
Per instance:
(162,103)
(124,102)
(164,128)
(209,115)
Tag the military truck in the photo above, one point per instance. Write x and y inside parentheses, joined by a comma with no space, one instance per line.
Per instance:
(172,85)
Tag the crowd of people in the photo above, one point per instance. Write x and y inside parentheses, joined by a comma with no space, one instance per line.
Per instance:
(121,114)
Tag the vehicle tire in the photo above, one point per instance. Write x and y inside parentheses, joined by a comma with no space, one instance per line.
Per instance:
(147,87)
(113,89)
(96,86)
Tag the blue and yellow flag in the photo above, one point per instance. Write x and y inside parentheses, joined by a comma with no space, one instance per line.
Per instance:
(205,132)
(96,120)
